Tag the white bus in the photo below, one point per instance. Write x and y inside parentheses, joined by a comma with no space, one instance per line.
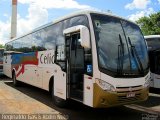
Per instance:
(1,60)
(92,57)
(153,42)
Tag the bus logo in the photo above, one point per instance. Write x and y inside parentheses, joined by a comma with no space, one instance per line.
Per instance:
(130,89)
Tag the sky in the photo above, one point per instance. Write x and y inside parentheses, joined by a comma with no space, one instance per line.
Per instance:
(34,13)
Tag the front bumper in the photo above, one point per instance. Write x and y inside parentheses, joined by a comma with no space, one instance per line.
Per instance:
(104,99)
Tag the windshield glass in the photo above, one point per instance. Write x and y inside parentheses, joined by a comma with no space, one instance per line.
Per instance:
(154,59)
(120,45)
(1,55)
(153,43)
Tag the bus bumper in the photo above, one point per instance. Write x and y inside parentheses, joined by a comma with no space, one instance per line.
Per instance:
(104,99)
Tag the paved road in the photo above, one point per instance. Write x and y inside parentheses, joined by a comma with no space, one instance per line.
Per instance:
(27,99)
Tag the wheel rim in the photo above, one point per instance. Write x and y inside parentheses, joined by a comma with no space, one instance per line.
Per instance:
(14,79)
(57,99)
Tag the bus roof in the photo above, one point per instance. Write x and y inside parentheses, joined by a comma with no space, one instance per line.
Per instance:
(81,12)
(152,36)
(88,12)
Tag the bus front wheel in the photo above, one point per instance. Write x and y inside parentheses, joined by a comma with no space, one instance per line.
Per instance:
(57,100)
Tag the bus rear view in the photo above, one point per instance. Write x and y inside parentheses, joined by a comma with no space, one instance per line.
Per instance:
(153,42)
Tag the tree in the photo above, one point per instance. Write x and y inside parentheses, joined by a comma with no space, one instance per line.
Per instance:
(150,25)
(1,46)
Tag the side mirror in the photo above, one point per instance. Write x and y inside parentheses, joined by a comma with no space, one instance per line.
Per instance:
(84,34)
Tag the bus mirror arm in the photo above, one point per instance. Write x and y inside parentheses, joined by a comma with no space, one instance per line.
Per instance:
(85,38)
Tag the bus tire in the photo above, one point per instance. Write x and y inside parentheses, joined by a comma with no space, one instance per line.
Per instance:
(58,101)
(15,82)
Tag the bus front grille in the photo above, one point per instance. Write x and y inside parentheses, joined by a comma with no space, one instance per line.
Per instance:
(129,89)
(129,99)
(123,91)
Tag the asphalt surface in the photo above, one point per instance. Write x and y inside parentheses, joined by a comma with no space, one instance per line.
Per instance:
(27,99)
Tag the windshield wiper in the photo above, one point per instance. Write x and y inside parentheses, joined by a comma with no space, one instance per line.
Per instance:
(120,56)
(135,55)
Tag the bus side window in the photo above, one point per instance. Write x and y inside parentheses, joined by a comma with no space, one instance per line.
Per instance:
(60,57)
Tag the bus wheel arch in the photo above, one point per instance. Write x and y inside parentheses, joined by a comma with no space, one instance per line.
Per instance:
(13,73)
(15,82)
(51,84)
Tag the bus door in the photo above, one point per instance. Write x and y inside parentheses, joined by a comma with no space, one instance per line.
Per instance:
(152,62)
(154,57)
(156,76)
(75,69)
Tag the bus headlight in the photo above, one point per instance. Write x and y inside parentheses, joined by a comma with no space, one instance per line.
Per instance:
(105,86)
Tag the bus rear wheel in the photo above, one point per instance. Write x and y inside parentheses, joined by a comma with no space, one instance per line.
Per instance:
(58,101)
(15,82)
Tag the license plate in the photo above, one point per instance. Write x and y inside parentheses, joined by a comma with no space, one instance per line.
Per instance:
(131,94)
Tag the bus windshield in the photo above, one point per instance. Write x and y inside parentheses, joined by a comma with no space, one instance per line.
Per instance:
(153,43)
(1,55)
(121,47)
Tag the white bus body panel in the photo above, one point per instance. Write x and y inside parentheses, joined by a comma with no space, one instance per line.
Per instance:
(156,80)
(60,83)
(49,69)
(7,66)
(123,82)
(33,75)
(88,91)
(37,72)
(29,75)
(26,76)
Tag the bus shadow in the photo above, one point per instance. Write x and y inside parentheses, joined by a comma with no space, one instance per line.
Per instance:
(3,77)
(76,110)
(155,90)
(151,102)
(153,99)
